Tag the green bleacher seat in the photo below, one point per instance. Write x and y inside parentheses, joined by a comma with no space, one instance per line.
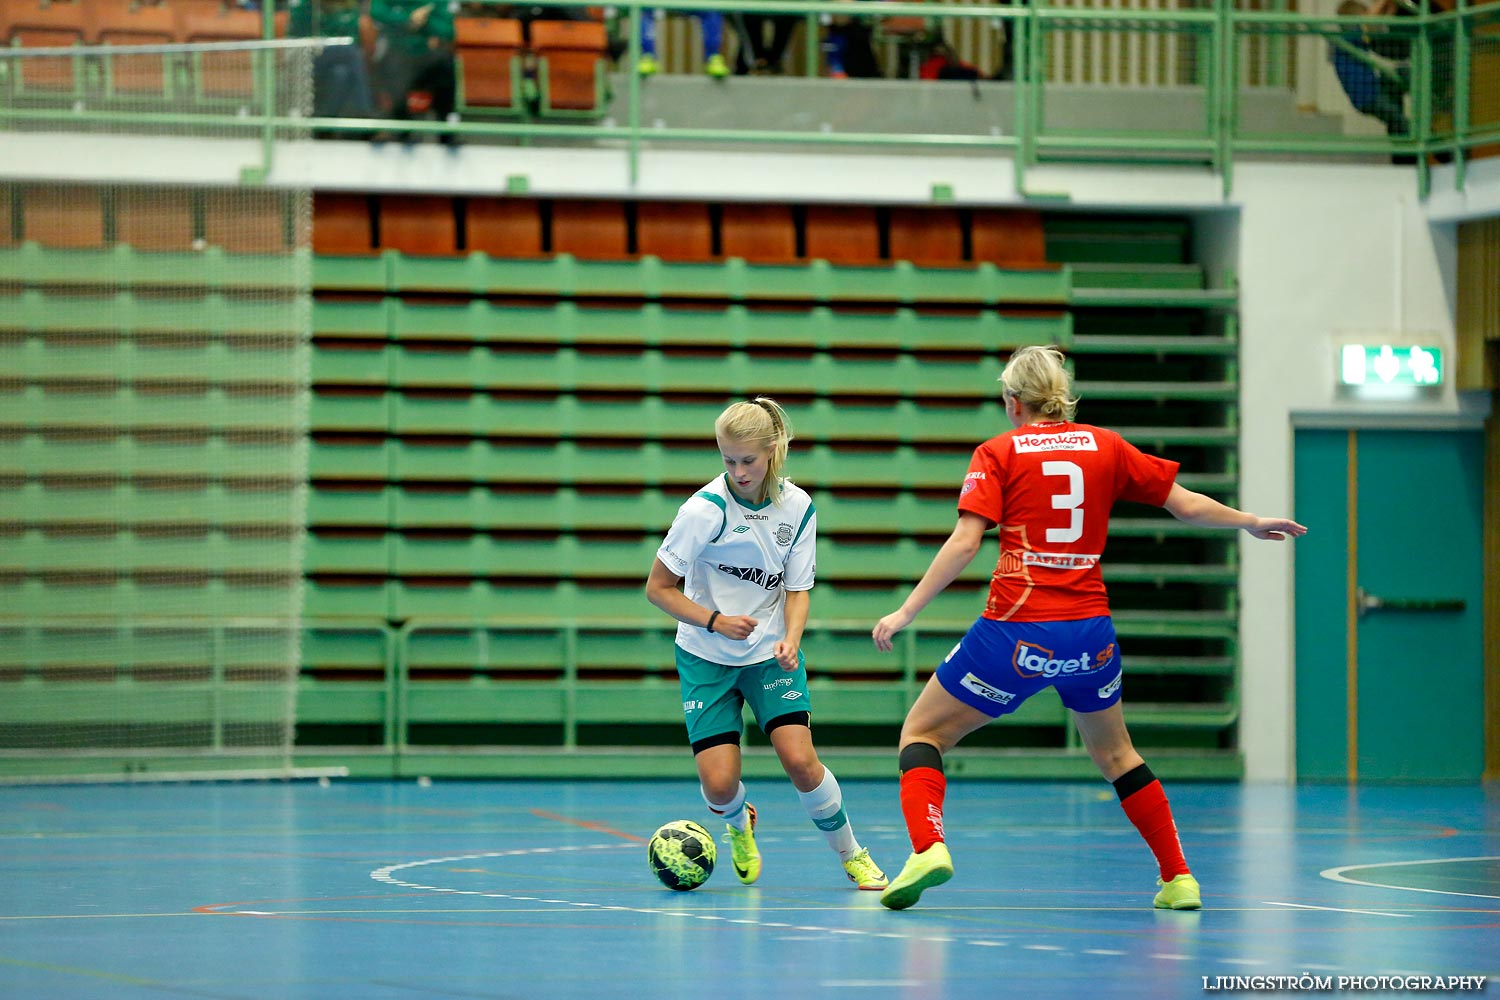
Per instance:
(342,648)
(570,369)
(346,364)
(1154,343)
(188,594)
(201,550)
(352,318)
(1138,276)
(561,556)
(186,502)
(561,508)
(1226,392)
(182,407)
(72,360)
(1094,238)
(206,273)
(568,556)
(354,411)
(656,418)
(732,280)
(98,453)
(366,458)
(349,552)
(349,597)
(361,506)
(653,325)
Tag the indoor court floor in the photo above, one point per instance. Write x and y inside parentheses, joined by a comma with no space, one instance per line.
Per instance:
(535,890)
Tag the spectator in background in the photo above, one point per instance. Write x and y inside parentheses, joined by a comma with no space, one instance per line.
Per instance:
(1374,69)
(415,56)
(755,54)
(1007,70)
(942,63)
(849,47)
(341,80)
(713,43)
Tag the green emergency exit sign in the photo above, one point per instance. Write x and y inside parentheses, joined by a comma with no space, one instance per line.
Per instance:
(1387,364)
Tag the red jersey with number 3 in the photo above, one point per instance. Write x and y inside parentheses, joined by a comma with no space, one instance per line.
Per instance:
(1050,487)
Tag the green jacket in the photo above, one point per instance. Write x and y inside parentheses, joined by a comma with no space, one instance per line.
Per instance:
(331,18)
(394,17)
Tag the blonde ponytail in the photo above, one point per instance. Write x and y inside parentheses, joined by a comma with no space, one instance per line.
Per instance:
(1035,376)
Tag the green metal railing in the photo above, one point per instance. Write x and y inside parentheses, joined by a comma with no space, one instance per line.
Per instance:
(1212,41)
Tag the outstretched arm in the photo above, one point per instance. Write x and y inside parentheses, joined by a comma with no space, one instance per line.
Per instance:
(1195,508)
(957,552)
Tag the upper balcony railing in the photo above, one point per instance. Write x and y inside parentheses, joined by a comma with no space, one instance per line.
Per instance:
(1158,81)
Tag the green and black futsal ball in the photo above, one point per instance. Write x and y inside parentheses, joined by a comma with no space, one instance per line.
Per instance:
(682,855)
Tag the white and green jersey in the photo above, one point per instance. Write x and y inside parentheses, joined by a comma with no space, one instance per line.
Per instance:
(740,559)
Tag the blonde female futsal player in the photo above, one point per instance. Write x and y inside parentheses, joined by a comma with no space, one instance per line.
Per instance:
(1049,486)
(735,570)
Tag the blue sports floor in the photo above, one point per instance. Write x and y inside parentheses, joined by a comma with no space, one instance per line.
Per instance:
(375,891)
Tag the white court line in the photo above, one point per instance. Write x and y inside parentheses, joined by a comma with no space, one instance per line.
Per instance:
(1335,909)
(1337,875)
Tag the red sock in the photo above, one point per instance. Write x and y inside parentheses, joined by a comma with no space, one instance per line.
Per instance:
(1149,810)
(922,791)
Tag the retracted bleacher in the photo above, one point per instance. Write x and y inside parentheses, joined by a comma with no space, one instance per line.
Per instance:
(512,398)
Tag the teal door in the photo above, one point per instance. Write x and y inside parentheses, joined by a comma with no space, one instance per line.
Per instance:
(1390,677)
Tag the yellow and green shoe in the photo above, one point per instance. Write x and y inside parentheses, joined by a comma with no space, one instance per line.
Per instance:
(864,872)
(743,853)
(932,867)
(1181,893)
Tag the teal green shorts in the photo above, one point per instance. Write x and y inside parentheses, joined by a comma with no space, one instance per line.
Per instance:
(713,695)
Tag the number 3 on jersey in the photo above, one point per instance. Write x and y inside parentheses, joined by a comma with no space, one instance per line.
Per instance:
(1071,501)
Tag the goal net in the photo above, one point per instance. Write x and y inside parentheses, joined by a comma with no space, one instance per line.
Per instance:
(154,390)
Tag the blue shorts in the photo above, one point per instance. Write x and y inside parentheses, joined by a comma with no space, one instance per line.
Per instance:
(996,666)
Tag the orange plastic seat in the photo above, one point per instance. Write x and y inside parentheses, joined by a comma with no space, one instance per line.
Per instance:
(243,220)
(223,75)
(63,217)
(33,24)
(674,230)
(570,55)
(154,219)
(760,234)
(589,230)
(488,51)
(504,227)
(843,234)
(418,224)
(342,224)
(928,237)
(122,23)
(7,213)
(1009,238)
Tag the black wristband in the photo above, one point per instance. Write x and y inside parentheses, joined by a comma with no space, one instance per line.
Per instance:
(710,625)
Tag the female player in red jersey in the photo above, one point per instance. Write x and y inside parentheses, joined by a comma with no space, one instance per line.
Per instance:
(1048,485)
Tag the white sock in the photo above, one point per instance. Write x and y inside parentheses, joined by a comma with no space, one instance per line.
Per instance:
(732,812)
(825,805)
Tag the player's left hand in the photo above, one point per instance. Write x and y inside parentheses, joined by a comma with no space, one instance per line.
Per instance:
(786,655)
(887,627)
(1276,529)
